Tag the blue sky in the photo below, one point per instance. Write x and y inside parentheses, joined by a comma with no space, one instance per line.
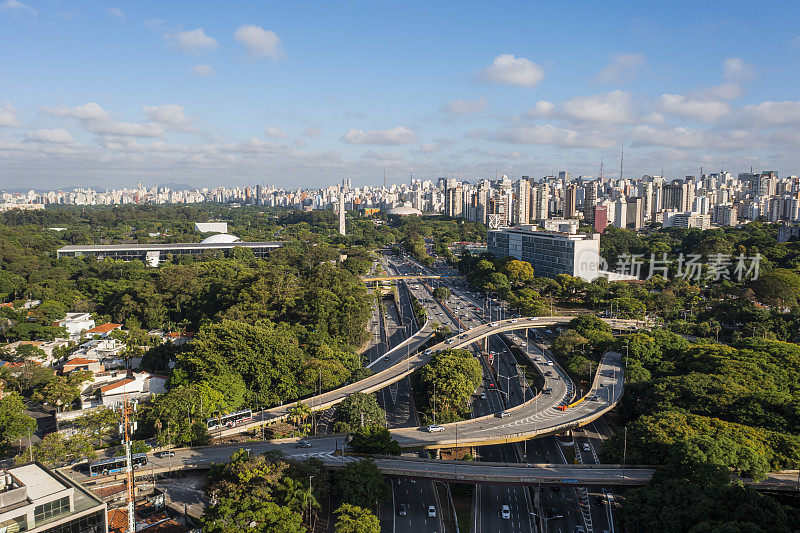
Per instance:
(303,94)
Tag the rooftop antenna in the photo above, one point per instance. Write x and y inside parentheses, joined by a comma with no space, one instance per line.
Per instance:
(621,158)
(384,177)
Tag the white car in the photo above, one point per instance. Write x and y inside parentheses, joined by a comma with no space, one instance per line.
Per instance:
(431,511)
(435,429)
(549,363)
(505,512)
(585,447)
(493,324)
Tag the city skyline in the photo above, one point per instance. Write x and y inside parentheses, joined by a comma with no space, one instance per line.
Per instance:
(106,96)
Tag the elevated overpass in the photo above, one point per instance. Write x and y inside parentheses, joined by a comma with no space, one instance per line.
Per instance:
(536,417)
(324,449)
(410,277)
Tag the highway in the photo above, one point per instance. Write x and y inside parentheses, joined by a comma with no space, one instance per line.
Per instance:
(524,421)
(203,457)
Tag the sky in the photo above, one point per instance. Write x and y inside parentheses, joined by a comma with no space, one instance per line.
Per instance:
(303,94)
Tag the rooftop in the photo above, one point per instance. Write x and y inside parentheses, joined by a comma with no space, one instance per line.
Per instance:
(167,246)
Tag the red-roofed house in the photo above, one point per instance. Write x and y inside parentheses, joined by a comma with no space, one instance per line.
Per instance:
(103,329)
(79,363)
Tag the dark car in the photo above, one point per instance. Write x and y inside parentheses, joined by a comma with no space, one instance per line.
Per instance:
(303,444)
(402,509)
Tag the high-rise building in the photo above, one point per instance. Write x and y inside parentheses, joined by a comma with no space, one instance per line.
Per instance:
(521,201)
(570,200)
(589,201)
(600,218)
(540,201)
(454,201)
(635,214)
(621,214)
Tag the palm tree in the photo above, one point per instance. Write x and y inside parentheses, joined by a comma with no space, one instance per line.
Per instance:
(299,413)
(297,496)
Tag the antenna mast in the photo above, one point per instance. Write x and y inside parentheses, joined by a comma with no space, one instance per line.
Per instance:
(621,159)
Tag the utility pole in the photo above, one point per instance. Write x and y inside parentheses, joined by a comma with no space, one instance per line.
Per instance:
(128,427)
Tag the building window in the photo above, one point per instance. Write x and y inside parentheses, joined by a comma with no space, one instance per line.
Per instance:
(48,510)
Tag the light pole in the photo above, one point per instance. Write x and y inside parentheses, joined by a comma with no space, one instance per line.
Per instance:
(624,450)
(309,500)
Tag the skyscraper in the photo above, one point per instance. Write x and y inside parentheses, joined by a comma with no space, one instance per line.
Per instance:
(570,199)
(522,196)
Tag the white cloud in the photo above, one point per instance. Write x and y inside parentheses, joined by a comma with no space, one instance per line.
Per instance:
(204,71)
(551,135)
(169,115)
(16,6)
(259,42)
(542,109)
(398,135)
(87,111)
(615,107)
(98,121)
(735,69)
(54,136)
(116,12)
(465,107)
(771,114)
(622,68)
(723,91)
(694,108)
(795,42)
(8,115)
(192,41)
(274,132)
(312,132)
(512,70)
(430,148)
(154,23)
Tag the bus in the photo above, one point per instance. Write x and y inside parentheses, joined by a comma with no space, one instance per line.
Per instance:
(116,464)
(230,420)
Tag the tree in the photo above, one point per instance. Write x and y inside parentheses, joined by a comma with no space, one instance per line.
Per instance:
(251,513)
(62,391)
(374,440)
(361,484)
(518,272)
(780,287)
(456,375)
(357,411)
(297,496)
(14,423)
(442,293)
(353,519)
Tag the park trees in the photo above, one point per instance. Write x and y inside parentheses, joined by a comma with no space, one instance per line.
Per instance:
(358,411)
(14,422)
(361,484)
(453,376)
(354,519)
(374,439)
